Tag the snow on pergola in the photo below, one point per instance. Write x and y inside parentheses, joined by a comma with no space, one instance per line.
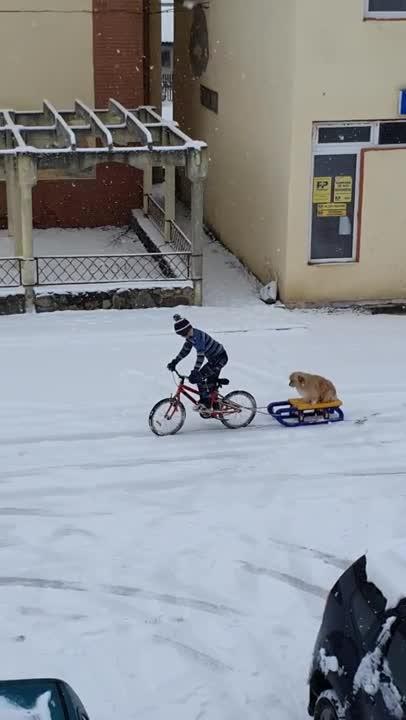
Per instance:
(76,141)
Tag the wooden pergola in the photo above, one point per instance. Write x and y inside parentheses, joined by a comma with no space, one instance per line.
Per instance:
(76,141)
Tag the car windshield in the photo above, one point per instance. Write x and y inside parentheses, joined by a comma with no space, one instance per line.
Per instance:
(30,700)
(397,659)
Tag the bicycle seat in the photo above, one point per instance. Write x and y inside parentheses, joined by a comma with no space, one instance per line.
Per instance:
(222,381)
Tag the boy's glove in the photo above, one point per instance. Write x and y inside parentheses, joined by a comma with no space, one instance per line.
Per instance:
(172,365)
(194,377)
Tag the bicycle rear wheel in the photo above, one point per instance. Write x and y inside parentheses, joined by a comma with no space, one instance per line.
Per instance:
(167,417)
(239,408)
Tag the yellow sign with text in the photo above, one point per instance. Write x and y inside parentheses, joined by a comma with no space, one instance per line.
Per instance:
(343,189)
(332,210)
(322,190)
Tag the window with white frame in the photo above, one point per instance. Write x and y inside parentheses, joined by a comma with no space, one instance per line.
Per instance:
(335,183)
(385,9)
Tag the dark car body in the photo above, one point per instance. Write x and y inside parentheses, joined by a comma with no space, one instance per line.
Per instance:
(60,700)
(360,651)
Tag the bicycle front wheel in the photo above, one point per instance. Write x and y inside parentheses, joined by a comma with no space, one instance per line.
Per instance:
(238,409)
(167,417)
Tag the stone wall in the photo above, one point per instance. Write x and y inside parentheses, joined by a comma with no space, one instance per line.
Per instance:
(13,304)
(122,299)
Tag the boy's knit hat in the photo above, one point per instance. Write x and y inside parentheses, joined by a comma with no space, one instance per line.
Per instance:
(181,325)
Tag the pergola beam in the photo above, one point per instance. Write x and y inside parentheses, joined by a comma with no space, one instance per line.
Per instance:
(133,124)
(14,130)
(172,128)
(61,126)
(99,129)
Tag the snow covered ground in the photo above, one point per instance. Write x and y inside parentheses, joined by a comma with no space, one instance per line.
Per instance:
(185,576)
(89,241)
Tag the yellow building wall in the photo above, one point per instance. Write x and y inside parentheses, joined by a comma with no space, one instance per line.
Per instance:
(346,69)
(251,67)
(46,55)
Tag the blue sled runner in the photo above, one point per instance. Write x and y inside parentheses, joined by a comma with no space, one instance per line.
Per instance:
(296,412)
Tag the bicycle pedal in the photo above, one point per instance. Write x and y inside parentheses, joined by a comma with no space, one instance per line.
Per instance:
(205,414)
(200,407)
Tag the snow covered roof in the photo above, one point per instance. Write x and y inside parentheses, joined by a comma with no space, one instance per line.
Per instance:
(386,569)
(56,137)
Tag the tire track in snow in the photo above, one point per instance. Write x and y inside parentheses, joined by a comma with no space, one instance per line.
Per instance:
(116,435)
(287,579)
(127,463)
(74,437)
(191,652)
(329,559)
(41,583)
(190,603)
(30,512)
(184,459)
(122,591)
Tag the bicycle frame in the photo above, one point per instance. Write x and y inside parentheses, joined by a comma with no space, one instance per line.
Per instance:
(186,391)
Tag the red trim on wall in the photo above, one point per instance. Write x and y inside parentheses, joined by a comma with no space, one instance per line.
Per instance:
(360,204)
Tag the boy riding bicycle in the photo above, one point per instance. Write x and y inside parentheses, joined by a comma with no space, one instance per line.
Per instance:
(204,376)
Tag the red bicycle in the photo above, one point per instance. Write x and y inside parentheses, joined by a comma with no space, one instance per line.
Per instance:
(235,410)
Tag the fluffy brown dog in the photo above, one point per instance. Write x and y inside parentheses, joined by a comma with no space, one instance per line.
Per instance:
(313,388)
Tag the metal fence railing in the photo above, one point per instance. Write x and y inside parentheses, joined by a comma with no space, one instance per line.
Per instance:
(167,87)
(171,262)
(179,241)
(10,272)
(156,214)
(90,269)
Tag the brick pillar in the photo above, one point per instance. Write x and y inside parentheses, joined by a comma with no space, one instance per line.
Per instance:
(118,57)
(118,49)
